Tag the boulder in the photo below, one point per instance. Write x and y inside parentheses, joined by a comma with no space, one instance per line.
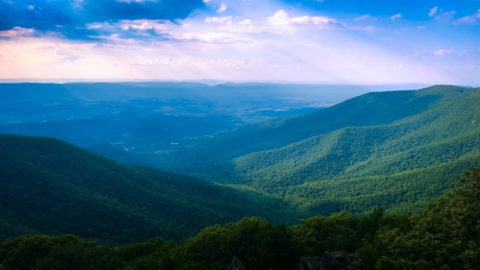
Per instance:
(331,260)
(311,263)
(236,264)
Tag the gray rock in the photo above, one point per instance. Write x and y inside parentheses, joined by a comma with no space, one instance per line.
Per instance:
(335,260)
(311,263)
(236,264)
(355,261)
(331,260)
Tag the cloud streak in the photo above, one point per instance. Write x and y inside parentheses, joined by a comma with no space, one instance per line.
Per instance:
(442,52)
(396,16)
(281,18)
(363,17)
(471,19)
(68,18)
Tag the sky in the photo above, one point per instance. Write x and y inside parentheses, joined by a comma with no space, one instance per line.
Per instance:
(312,41)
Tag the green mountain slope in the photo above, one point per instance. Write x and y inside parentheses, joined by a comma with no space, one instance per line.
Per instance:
(49,186)
(389,149)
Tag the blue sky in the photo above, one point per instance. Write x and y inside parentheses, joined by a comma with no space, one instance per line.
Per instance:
(324,41)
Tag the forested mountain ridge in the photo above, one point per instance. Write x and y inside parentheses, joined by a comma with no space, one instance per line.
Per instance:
(399,150)
(392,149)
(49,186)
(443,236)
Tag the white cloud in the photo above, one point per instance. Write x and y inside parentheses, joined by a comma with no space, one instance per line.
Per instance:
(433,11)
(246,22)
(396,16)
(281,18)
(222,8)
(218,19)
(94,26)
(16,32)
(136,1)
(470,19)
(449,13)
(364,17)
(140,25)
(446,17)
(442,52)
(215,37)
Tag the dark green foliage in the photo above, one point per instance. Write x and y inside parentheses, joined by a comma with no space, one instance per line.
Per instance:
(385,263)
(444,236)
(256,242)
(446,233)
(49,186)
(56,253)
(388,149)
(321,233)
(151,255)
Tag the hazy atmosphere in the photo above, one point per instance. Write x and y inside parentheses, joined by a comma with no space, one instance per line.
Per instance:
(327,41)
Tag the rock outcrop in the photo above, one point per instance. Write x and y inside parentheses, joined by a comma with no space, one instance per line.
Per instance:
(331,260)
(236,264)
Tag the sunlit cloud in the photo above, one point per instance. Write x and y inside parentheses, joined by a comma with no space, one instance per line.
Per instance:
(16,32)
(281,18)
(442,52)
(433,11)
(249,40)
(222,8)
(363,17)
(218,19)
(396,16)
(471,19)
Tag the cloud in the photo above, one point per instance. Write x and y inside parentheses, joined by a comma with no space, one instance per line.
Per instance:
(281,18)
(433,11)
(16,32)
(442,52)
(142,24)
(396,16)
(210,37)
(68,18)
(364,17)
(128,31)
(472,19)
(222,8)
(218,19)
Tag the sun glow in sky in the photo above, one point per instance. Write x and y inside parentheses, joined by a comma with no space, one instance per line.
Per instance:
(330,41)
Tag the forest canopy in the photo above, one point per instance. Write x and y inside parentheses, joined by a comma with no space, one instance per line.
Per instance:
(446,235)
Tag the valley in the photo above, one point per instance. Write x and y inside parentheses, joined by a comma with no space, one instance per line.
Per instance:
(363,169)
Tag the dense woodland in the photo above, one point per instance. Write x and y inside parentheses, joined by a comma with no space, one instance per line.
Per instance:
(382,149)
(49,186)
(390,149)
(446,235)
(359,178)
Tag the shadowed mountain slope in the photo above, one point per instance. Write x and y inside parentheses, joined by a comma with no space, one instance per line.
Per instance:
(49,186)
